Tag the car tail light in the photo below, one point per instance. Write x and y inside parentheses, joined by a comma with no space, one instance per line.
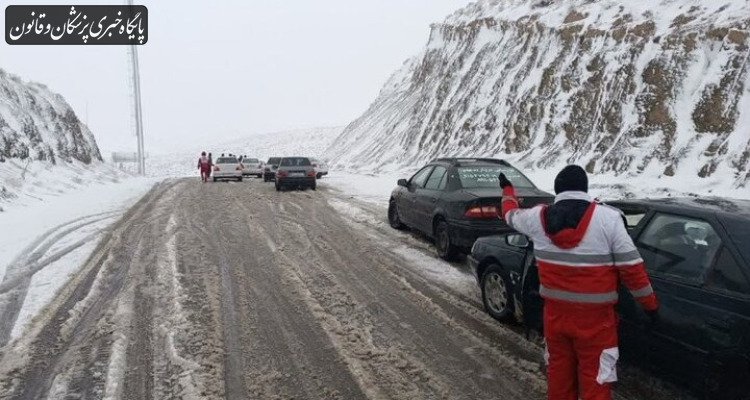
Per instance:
(216,168)
(282,174)
(311,173)
(482,212)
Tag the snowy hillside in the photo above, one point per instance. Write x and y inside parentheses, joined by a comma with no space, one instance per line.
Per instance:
(656,89)
(310,142)
(44,147)
(38,124)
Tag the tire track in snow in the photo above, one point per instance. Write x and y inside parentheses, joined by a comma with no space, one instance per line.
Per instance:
(18,275)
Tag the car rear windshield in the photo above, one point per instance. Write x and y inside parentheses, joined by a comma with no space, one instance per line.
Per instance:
(273,161)
(295,162)
(485,176)
(227,160)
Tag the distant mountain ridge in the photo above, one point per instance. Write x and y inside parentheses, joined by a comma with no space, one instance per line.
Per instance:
(656,88)
(37,124)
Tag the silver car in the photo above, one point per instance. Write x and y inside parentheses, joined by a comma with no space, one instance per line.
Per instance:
(252,167)
(227,168)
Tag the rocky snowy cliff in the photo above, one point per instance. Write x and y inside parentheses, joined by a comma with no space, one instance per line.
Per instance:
(37,124)
(641,87)
(44,148)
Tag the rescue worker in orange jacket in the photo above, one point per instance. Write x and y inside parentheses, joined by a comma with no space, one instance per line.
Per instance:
(583,251)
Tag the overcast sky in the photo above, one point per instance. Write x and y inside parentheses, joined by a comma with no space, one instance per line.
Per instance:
(232,68)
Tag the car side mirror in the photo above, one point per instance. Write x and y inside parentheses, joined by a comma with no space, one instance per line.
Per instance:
(403,182)
(517,240)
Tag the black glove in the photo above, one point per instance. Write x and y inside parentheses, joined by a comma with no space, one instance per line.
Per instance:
(653,316)
(504,182)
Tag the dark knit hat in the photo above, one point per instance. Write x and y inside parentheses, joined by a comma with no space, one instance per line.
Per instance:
(571,178)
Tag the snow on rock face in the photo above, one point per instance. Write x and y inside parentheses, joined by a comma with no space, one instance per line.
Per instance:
(618,87)
(38,124)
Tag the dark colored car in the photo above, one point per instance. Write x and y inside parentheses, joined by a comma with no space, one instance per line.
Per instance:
(697,253)
(295,172)
(457,200)
(269,171)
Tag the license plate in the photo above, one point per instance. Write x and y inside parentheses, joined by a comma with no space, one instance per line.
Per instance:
(297,174)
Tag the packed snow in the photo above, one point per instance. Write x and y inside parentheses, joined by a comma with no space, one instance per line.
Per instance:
(50,236)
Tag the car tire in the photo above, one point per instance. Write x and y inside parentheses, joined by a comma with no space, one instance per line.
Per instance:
(278,187)
(314,186)
(446,250)
(496,294)
(393,218)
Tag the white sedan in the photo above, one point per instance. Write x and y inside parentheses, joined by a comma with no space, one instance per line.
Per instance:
(227,168)
(321,168)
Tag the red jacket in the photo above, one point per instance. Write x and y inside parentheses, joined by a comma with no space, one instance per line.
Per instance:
(582,265)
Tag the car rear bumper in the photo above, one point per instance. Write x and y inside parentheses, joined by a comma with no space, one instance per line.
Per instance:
(465,233)
(307,180)
(227,175)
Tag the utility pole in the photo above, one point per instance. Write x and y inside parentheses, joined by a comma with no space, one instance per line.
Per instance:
(137,106)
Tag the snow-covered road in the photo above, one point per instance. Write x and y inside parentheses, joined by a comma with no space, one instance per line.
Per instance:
(234,290)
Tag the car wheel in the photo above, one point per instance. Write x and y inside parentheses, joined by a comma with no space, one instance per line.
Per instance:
(314,186)
(393,218)
(496,293)
(446,250)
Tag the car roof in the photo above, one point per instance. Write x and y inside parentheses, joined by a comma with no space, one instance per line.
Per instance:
(464,161)
(725,207)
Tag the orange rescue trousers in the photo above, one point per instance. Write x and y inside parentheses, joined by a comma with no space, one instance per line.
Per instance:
(582,350)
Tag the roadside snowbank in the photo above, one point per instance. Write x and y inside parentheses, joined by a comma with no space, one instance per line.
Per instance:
(48,239)
(25,183)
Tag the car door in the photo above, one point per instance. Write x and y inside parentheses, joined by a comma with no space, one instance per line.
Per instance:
(533,304)
(426,199)
(407,201)
(728,293)
(679,251)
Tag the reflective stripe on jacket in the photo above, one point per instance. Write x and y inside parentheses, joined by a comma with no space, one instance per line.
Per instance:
(585,266)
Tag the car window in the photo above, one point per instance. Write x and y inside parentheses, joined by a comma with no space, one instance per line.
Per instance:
(485,176)
(273,161)
(295,162)
(420,177)
(227,160)
(251,160)
(727,274)
(632,219)
(679,247)
(443,182)
(437,176)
